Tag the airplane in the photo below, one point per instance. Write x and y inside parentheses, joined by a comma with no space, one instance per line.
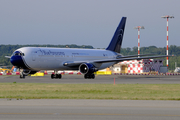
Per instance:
(30,60)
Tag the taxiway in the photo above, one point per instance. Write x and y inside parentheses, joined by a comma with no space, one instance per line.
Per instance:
(100,79)
(89,109)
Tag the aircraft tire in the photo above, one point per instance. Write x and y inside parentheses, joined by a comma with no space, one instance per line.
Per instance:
(92,76)
(52,76)
(59,76)
(87,76)
(22,76)
(56,76)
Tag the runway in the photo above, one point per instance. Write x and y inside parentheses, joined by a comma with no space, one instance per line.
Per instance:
(100,79)
(89,109)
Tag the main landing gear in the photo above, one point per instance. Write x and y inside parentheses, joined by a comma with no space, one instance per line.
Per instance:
(56,75)
(89,76)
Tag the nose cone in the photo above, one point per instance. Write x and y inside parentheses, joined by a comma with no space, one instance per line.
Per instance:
(17,61)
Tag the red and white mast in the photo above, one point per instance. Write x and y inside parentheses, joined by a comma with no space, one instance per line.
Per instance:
(167,17)
(139,27)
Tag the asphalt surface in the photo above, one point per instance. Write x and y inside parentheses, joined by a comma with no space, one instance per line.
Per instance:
(43,109)
(89,110)
(100,79)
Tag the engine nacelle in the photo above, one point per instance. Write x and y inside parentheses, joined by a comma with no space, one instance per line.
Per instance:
(87,68)
(27,72)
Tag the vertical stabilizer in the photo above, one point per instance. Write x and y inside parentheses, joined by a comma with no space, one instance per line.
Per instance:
(115,44)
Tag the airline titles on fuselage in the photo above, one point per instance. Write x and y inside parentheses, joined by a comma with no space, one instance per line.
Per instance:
(49,52)
(57,53)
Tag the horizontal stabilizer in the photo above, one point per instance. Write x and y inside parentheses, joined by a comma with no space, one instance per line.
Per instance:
(7,56)
(119,56)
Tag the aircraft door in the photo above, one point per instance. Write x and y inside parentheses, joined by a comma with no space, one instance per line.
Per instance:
(72,57)
(34,56)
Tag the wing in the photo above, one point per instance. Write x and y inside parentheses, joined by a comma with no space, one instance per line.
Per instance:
(119,59)
(131,58)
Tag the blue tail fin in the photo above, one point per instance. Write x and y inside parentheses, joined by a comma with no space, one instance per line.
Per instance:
(115,44)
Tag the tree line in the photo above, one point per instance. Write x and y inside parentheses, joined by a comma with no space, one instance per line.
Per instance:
(7,50)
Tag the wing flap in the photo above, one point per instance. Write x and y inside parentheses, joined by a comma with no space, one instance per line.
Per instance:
(131,58)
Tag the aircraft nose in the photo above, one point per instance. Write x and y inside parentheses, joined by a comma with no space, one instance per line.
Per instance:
(16,61)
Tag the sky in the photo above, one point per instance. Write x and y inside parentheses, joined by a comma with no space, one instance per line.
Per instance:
(88,22)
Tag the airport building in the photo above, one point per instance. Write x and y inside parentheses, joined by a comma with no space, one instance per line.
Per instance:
(138,66)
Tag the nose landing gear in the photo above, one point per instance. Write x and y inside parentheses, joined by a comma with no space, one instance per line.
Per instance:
(22,76)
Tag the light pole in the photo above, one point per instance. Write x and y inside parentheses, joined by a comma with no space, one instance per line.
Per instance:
(167,17)
(139,27)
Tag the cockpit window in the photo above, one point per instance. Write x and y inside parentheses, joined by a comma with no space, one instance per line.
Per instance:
(17,53)
(21,54)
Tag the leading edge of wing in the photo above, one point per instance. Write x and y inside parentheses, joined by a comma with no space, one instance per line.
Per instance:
(130,58)
(77,63)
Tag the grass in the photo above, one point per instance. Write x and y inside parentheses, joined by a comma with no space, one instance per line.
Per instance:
(90,91)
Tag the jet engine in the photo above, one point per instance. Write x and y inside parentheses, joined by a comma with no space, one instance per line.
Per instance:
(87,68)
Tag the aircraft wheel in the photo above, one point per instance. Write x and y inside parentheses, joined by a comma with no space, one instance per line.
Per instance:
(59,76)
(85,76)
(52,76)
(92,76)
(22,76)
(89,76)
(56,76)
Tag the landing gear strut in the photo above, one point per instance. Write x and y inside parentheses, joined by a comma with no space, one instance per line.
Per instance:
(22,76)
(89,76)
(56,76)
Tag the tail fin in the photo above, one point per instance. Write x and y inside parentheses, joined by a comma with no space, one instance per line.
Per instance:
(115,44)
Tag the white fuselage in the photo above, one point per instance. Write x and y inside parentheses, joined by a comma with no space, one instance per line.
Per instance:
(39,58)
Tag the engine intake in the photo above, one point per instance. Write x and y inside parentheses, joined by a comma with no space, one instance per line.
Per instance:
(87,68)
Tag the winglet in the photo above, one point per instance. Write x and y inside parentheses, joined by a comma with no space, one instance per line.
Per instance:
(116,42)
